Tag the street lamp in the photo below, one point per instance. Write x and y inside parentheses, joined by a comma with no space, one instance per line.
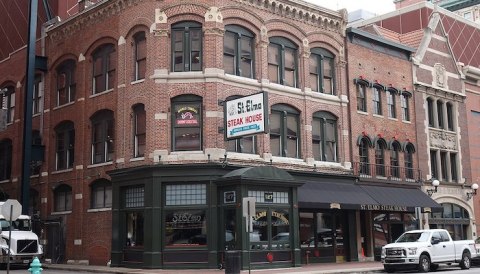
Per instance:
(473,192)
(435,184)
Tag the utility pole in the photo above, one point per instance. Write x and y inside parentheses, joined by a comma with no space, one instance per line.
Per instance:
(27,107)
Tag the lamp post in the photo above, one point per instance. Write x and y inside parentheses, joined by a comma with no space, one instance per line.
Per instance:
(435,184)
(473,192)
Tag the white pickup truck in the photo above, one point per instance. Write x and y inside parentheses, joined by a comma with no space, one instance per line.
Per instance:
(425,250)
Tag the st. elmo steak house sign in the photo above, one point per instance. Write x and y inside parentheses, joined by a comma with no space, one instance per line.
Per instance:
(245,116)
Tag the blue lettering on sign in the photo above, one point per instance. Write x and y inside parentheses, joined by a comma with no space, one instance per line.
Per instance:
(244,128)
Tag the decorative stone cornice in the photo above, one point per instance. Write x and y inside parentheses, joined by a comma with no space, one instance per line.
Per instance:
(102,10)
(302,11)
(214,31)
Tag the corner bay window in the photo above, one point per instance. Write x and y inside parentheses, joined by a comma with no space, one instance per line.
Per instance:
(185,226)
(133,203)
(187,123)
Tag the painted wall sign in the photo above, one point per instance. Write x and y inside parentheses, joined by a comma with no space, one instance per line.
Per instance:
(384,208)
(245,116)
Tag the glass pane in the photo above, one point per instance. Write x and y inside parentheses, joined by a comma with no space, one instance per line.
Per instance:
(246,67)
(290,58)
(330,128)
(141,69)
(447,211)
(306,229)
(141,49)
(327,67)
(273,73)
(290,79)
(275,145)
(229,64)
(273,55)
(196,40)
(260,229)
(330,151)
(317,150)
(327,86)
(196,61)
(247,145)
(178,41)
(134,229)
(186,228)
(232,145)
(292,125)
(275,123)
(292,147)
(280,229)
(187,139)
(229,43)
(178,61)
(313,64)
(314,82)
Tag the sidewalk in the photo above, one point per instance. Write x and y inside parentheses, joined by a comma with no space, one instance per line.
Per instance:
(324,268)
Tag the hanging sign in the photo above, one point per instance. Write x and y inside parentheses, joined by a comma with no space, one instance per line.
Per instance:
(245,116)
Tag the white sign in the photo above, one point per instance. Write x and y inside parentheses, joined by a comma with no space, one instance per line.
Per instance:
(249,206)
(245,116)
(11,210)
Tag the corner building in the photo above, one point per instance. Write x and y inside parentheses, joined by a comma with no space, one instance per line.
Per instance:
(135,166)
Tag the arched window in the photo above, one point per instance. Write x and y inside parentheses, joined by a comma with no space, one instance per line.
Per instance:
(238,51)
(64,145)
(324,136)
(322,72)
(104,65)
(361,86)
(282,62)
(7,96)
(409,150)
(391,102)
(453,218)
(66,85)
(187,123)
(62,198)
(140,55)
(140,130)
(187,46)
(394,159)
(285,131)
(103,136)
(5,159)
(101,194)
(380,146)
(363,145)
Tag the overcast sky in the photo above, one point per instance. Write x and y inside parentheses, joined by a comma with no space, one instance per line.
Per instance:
(376,6)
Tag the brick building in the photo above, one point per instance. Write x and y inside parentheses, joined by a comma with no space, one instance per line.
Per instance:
(445,90)
(136,166)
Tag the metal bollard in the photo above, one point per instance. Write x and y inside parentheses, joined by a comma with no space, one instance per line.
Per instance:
(35,266)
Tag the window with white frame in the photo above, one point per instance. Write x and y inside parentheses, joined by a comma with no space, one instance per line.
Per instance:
(104,65)
(324,136)
(285,131)
(101,194)
(322,73)
(140,130)
(62,196)
(238,51)
(103,136)
(64,145)
(66,85)
(140,56)
(187,46)
(282,62)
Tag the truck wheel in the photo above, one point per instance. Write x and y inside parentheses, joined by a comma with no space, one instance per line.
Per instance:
(424,264)
(389,269)
(465,262)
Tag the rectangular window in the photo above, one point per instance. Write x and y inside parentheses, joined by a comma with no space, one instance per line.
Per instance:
(134,196)
(185,228)
(134,229)
(431,122)
(444,166)
(362,98)
(274,63)
(440,114)
(277,197)
(187,47)
(191,194)
(37,95)
(453,167)
(405,107)
(10,106)
(140,131)
(377,103)
(433,164)
(450,116)
(104,64)
(391,104)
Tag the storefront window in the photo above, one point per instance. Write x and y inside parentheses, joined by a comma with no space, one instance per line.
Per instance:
(274,222)
(186,228)
(306,229)
(134,229)
(280,228)
(260,228)
(454,218)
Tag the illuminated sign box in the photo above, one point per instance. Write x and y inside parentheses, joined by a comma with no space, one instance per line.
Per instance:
(246,116)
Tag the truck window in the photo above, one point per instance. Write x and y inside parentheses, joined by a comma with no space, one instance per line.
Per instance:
(22,225)
(436,236)
(444,236)
(413,237)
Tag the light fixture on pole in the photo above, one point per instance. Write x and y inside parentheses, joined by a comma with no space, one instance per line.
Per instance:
(473,192)
(435,184)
